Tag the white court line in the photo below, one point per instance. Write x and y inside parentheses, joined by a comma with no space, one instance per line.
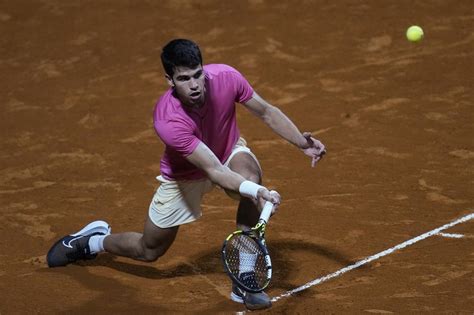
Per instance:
(451,235)
(373,257)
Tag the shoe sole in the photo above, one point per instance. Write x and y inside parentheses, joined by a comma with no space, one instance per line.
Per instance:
(236,298)
(100,227)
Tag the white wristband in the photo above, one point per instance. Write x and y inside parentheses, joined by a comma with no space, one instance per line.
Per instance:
(249,189)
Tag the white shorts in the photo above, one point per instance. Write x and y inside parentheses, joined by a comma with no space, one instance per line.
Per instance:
(179,202)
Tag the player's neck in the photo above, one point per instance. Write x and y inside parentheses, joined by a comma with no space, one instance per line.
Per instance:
(192,106)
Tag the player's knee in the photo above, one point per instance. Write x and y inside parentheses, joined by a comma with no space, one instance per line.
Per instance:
(254,177)
(151,255)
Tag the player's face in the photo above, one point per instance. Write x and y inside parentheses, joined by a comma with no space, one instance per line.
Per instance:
(189,85)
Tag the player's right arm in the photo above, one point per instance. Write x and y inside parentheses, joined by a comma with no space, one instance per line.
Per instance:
(178,135)
(203,158)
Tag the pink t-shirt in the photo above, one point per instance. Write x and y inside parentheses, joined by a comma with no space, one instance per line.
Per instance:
(182,129)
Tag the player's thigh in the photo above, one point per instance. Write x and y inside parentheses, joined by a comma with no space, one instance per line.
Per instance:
(158,239)
(246,165)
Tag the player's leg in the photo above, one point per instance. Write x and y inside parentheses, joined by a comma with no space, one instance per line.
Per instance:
(174,204)
(149,246)
(246,165)
(95,238)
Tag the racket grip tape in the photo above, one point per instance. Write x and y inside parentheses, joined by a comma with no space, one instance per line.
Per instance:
(266,212)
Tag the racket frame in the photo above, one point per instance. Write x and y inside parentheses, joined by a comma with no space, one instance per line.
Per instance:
(256,233)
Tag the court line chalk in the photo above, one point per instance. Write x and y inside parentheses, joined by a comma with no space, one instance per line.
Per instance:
(374,257)
(451,235)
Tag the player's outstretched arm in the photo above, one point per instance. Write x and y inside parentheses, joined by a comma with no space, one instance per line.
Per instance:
(203,158)
(283,126)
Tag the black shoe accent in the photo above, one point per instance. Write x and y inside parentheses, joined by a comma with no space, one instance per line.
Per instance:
(70,249)
(253,301)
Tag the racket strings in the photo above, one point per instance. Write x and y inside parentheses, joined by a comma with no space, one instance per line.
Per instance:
(246,261)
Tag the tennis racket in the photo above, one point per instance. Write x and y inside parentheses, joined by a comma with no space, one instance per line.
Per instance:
(245,255)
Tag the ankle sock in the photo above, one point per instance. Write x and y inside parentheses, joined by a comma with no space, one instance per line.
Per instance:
(96,243)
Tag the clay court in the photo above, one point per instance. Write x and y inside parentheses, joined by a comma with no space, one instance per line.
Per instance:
(78,86)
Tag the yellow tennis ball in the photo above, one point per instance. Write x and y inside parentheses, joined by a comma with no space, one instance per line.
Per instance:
(415,33)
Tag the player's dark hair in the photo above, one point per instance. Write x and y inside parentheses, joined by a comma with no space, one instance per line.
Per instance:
(180,53)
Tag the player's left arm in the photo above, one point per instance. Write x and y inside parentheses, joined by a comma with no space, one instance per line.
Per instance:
(283,126)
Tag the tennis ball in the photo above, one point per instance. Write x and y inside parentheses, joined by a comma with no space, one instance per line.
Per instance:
(414,33)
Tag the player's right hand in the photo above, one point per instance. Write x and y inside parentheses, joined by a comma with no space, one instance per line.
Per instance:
(273,196)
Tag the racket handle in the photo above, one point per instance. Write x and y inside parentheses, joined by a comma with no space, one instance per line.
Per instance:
(266,212)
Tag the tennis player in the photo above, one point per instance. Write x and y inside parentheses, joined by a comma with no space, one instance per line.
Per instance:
(196,120)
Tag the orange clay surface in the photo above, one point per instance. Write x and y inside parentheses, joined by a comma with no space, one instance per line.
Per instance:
(79,80)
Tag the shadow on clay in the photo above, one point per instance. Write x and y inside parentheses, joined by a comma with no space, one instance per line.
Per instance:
(210,262)
(119,295)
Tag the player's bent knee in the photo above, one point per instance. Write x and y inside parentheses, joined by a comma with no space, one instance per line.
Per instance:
(256,178)
(253,177)
(152,255)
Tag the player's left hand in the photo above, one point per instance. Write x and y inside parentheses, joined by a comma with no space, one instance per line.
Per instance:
(313,148)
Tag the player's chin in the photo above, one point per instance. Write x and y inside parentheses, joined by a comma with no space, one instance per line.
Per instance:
(232,194)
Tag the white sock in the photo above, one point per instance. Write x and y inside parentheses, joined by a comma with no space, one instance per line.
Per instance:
(247,262)
(96,243)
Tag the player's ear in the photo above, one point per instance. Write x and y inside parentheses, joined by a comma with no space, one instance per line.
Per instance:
(169,80)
